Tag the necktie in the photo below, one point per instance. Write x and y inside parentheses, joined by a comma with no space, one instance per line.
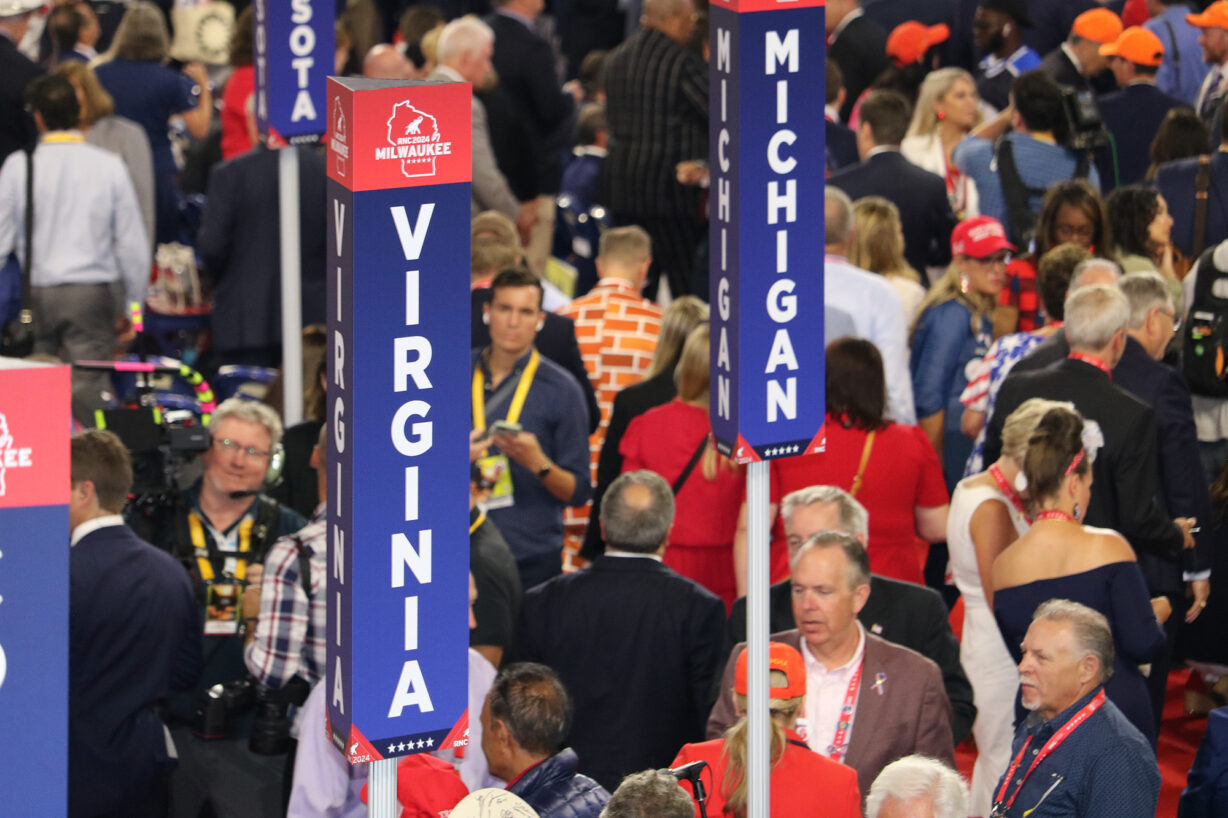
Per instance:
(1207,110)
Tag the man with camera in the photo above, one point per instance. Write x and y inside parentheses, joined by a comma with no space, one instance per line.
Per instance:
(118,759)
(285,610)
(1014,169)
(221,528)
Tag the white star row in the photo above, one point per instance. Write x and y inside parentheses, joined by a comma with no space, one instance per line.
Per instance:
(781,450)
(403,746)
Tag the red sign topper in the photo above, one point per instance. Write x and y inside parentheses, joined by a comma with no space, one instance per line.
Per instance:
(742,6)
(407,134)
(34,436)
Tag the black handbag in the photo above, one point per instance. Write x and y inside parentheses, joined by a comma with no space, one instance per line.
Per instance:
(17,337)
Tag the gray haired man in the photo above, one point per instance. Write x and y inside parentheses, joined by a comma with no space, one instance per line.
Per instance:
(635,643)
(900,612)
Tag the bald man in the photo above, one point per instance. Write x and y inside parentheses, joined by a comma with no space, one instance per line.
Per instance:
(386,62)
(636,644)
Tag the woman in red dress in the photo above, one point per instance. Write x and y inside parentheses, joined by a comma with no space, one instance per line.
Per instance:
(891,469)
(668,438)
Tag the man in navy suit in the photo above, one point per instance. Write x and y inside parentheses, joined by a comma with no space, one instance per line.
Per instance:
(841,142)
(242,255)
(637,645)
(525,64)
(859,47)
(16,72)
(1133,114)
(1183,492)
(1177,181)
(134,636)
(921,196)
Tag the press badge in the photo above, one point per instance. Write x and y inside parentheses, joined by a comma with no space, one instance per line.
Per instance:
(497,473)
(223,608)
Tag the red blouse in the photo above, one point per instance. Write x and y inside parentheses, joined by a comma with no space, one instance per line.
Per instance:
(902,473)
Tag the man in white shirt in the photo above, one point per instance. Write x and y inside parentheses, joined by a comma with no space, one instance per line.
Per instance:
(868,702)
(869,302)
(88,236)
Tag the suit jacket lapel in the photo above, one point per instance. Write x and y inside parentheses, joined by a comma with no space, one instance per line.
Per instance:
(870,705)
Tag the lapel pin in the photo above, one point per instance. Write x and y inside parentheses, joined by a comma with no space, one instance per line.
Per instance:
(880,683)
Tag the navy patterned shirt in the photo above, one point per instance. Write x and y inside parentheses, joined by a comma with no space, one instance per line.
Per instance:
(1104,769)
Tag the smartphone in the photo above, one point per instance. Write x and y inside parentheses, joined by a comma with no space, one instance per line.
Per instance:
(505,428)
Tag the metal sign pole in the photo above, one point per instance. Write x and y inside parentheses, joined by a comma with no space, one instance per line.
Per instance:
(758,734)
(291,287)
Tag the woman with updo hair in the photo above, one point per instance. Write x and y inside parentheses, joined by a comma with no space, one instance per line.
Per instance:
(1060,558)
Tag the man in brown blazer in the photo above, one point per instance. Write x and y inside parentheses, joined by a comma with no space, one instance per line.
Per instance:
(895,696)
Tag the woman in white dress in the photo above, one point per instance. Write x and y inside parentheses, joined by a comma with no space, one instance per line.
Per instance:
(947,111)
(986,516)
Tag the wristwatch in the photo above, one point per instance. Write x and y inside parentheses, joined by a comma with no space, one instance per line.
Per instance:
(544,470)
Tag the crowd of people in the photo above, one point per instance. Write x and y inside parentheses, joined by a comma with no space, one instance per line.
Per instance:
(1026,234)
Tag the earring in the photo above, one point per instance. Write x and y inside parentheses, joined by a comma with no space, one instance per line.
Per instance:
(1077,513)
(942,115)
(964,284)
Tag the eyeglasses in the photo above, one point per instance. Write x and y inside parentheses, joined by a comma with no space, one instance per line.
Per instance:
(997,258)
(1066,232)
(1174,319)
(232,447)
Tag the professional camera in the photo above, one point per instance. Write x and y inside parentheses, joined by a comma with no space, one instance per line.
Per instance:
(271,732)
(218,706)
(1085,129)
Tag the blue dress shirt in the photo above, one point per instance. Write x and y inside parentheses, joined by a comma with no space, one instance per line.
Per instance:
(1104,769)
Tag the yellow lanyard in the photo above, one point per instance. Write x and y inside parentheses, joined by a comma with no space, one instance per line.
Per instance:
(64,137)
(518,398)
(197,531)
(476,524)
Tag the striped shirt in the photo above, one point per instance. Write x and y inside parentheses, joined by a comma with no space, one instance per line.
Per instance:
(657,106)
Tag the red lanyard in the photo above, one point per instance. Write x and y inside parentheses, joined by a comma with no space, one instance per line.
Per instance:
(840,741)
(1055,514)
(1000,479)
(1052,744)
(1096,362)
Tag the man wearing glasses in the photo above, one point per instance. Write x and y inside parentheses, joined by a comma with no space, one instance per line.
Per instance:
(220,529)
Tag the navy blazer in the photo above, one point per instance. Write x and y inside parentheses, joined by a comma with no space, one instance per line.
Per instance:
(861,53)
(17,129)
(637,647)
(921,196)
(1124,490)
(1132,115)
(134,636)
(1183,492)
(841,146)
(557,341)
(242,255)
(1176,181)
(526,66)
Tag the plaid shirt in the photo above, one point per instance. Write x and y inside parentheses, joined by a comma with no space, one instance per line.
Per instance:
(289,640)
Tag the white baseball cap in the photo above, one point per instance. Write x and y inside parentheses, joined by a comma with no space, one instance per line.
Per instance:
(15,8)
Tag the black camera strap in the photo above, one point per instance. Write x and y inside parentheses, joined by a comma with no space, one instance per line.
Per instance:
(1017,193)
(304,564)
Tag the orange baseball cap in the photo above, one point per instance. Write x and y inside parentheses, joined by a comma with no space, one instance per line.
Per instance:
(910,40)
(1138,45)
(1215,16)
(1099,25)
(784,658)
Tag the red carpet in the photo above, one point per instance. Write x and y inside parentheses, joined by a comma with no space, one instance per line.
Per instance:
(1179,738)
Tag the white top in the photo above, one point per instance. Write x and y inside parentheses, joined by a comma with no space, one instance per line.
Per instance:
(926,153)
(965,500)
(910,293)
(878,317)
(825,692)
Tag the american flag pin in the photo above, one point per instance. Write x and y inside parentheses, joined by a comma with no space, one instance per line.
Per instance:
(876,629)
